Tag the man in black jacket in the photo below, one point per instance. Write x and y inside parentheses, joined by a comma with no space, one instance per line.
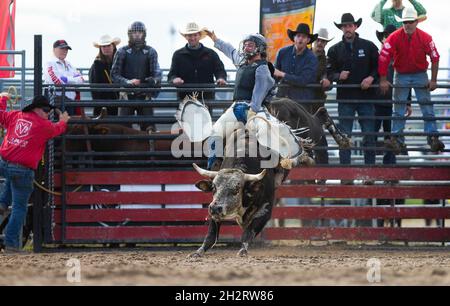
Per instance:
(354,61)
(195,63)
(137,65)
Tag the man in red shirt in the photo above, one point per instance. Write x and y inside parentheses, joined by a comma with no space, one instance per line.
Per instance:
(27,134)
(409,46)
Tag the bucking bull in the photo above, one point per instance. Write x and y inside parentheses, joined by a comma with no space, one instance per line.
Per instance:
(243,191)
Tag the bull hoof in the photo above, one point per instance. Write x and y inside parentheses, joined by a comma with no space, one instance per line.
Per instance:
(197,254)
(345,143)
(242,253)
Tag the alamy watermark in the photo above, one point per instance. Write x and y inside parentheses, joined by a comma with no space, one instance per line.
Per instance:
(374,272)
(73,275)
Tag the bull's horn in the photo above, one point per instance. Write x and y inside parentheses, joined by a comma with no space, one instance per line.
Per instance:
(203,172)
(255,177)
(103,114)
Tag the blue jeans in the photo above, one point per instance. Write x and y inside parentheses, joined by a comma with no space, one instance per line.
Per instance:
(418,81)
(16,191)
(367,125)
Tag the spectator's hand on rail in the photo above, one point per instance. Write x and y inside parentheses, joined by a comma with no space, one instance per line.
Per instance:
(325,84)
(367,82)
(64,117)
(211,35)
(432,85)
(178,81)
(384,86)
(135,82)
(279,74)
(409,110)
(344,75)
(221,82)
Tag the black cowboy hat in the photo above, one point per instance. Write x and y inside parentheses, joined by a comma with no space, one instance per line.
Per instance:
(388,30)
(38,102)
(348,18)
(302,28)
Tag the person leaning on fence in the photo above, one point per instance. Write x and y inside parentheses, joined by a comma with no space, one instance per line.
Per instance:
(100,72)
(60,72)
(385,109)
(195,63)
(137,65)
(296,66)
(387,16)
(254,84)
(27,134)
(319,93)
(354,61)
(409,47)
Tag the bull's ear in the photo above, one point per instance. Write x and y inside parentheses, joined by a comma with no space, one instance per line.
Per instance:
(204,185)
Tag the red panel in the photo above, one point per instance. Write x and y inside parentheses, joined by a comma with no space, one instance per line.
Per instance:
(351,212)
(364,192)
(133,215)
(144,233)
(382,173)
(129,178)
(359,234)
(180,215)
(198,232)
(310,173)
(164,197)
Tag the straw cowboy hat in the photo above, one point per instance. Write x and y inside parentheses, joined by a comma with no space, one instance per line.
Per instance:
(348,18)
(323,35)
(409,14)
(106,40)
(192,28)
(388,30)
(302,28)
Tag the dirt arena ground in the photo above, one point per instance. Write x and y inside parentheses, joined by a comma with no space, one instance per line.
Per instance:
(269,265)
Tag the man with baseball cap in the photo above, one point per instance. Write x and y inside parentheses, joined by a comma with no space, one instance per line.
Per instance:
(60,71)
(27,134)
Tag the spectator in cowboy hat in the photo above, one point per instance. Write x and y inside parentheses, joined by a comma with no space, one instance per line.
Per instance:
(100,72)
(386,16)
(28,131)
(354,61)
(296,66)
(318,49)
(409,47)
(195,63)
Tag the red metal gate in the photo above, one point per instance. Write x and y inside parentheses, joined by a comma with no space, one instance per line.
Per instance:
(76,222)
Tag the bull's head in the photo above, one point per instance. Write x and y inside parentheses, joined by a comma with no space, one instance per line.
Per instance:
(227,186)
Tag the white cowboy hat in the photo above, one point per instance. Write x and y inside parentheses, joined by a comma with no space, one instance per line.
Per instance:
(409,14)
(192,28)
(323,35)
(106,40)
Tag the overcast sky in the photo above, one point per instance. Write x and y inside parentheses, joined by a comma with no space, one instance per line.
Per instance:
(82,22)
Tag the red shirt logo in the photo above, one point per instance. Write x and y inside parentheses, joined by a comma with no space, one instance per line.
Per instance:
(23,128)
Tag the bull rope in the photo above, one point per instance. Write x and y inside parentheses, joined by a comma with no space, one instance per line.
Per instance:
(12,92)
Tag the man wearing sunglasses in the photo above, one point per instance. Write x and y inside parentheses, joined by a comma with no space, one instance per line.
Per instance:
(410,46)
(27,134)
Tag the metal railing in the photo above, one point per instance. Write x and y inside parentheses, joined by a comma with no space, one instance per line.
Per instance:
(22,69)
